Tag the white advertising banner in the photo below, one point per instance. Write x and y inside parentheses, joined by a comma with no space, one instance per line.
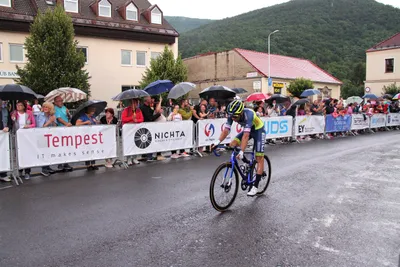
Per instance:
(150,137)
(277,127)
(5,162)
(210,130)
(393,119)
(378,120)
(305,125)
(48,146)
(359,122)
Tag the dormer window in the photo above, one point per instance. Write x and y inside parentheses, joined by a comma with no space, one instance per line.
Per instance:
(70,6)
(6,3)
(131,12)
(156,16)
(104,9)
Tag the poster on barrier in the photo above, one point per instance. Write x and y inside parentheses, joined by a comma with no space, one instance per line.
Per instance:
(210,130)
(47,146)
(378,120)
(5,161)
(150,137)
(338,124)
(278,127)
(305,125)
(359,122)
(393,119)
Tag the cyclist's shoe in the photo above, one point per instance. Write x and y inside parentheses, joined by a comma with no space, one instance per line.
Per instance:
(253,191)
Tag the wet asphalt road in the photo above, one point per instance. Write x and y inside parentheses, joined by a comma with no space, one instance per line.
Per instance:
(330,203)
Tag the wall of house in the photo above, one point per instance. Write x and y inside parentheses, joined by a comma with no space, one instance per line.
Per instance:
(226,68)
(376,77)
(107,73)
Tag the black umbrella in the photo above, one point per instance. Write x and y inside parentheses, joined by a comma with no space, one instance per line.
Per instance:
(130,94)
(239,90)
(217,92)
(16,92)
(387,96)
(99,105)
(301,102)
(278,98)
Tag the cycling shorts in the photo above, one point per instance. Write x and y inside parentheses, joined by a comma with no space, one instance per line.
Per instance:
(259,140)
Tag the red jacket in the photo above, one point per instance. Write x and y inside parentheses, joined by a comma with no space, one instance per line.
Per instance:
(127,116)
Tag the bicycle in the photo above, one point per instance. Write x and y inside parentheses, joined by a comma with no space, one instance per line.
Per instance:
(232,168)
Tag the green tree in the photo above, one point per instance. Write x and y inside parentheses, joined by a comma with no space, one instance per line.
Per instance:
(391,89)
(350,89)
(357,75)
(297,87)
(53,59)
(165,67)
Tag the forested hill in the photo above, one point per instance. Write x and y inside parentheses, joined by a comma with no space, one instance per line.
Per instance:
(332,33)
(184,24)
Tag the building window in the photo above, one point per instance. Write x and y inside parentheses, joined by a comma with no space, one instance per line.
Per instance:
(131,12)
(156,16)
(16,53)
(389,65)
(104,9)
(1,52)
(126,57)
(84,50)
(6,3)
(155,55)
(128,87)
(70,6)
(140,58)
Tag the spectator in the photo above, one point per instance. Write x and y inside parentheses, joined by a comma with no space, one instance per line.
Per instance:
(222,112)
(120,105)
(133,114)
(23,119)
(203,112)
(259,111)
(46,118)
(88,119)
(186,111)
(317,109)
(109,119)
(196,111)
(62,116)
(37,108)
(175,115)
(212,108)
(350,109)
(5,126)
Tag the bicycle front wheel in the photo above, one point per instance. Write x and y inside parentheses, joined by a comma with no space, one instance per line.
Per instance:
(223,187)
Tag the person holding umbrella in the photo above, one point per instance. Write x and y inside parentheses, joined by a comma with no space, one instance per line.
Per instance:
(132,114)
(5,126)
(23,119)
(62,117)
(88,118)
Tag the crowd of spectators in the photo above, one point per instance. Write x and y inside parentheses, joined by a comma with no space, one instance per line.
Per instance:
(150,109)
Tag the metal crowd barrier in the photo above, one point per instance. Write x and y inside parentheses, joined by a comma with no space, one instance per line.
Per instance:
(39,147)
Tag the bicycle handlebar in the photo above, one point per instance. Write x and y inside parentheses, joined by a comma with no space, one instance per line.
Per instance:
(214,149)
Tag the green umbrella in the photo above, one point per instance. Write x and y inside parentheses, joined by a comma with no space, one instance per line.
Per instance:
(354,99)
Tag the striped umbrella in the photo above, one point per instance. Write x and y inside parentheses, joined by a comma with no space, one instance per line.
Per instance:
(68,95)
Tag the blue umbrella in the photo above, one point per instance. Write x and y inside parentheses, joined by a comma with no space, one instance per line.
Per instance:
(370,96)
(310,92)
(159,87)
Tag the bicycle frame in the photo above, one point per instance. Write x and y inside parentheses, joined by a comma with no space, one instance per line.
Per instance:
(235,164)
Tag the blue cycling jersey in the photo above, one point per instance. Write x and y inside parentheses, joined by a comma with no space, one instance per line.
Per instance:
(249,120)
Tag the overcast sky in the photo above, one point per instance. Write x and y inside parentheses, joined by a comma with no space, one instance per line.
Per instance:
(219,9)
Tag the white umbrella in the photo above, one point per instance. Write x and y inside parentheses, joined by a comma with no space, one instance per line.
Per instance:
(181,90)
(68,95)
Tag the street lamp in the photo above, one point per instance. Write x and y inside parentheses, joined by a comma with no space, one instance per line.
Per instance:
(269,56)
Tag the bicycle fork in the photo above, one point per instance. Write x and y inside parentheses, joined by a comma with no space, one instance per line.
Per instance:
(229,182)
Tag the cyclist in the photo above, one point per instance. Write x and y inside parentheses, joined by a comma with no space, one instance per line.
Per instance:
(253,128)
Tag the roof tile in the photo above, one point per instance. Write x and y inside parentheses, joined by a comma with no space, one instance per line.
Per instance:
(287,67)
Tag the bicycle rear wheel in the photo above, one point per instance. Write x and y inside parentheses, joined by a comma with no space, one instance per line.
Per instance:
(266,176)
(223,190)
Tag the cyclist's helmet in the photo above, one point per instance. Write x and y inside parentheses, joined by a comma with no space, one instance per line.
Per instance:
(236,107)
